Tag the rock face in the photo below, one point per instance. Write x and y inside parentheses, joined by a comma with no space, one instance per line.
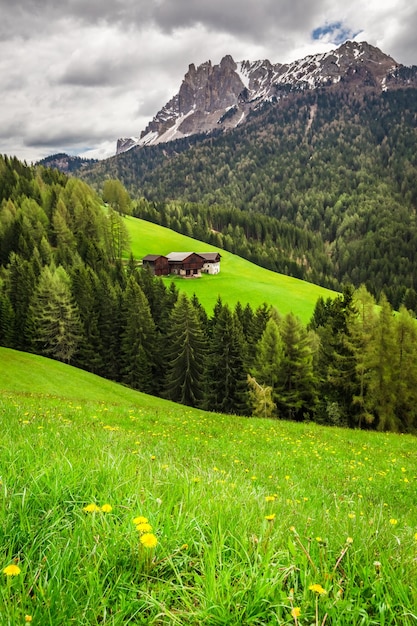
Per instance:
(221,96)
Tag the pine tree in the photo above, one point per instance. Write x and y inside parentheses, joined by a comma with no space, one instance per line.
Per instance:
(138,340)
(225,377)
(381,387)
(269,355)
(53,323)
(296,387)
(185,354)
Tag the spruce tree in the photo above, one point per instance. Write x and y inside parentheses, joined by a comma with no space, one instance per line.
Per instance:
(296,387)
(138,339)
(226,388)
(53,323)
(185,354)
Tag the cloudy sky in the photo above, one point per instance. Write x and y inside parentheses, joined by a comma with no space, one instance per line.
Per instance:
(77,74)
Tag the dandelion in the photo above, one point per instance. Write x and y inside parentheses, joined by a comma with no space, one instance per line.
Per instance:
(28,618)
(148,540)
(349,540)
(107,508)
(317,589)
(319,540)
(269,498)
(12,570)
(351,515)
(296,611)
(144,527)
(393,521)
(140,520)
(91,508)
(270,518)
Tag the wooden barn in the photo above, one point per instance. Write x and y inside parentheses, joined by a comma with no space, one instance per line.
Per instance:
(187,264)
(157,264)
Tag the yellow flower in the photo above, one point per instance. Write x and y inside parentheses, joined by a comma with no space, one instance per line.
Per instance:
(28,618)
(144,527)
(11,570)
(351,515)
(317,589)
(148,540)
(415,536)
(91,508)
(319,539)
(107,508)
(269,498)
(393,521)
(140,520)
(349,540)
(296,611)
(270,518)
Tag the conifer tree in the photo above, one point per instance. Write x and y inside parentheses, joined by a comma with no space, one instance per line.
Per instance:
(225,377)
(269,354)
(138,340)
(53,323)
(185,354)
(381,386)
(296,387)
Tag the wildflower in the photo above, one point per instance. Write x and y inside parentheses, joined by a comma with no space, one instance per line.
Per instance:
(292,529)
(317,589)
(107,508)
(28,618)
(91,508)
(12,570)
(184,546)
(296,611)
(351,515)
(349,540)
(269,498)
(140,520)
(415,536)
(393,521)
(270,518)
(148,540)
(319,540)
(143,527)
(377,565)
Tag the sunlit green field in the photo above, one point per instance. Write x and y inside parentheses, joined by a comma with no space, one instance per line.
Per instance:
(255,521)
(239,280)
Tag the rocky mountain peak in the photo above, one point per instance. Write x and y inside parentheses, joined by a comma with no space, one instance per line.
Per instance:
(221,96)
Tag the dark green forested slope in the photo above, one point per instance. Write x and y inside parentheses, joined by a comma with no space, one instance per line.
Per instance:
(337,164)
(65,294)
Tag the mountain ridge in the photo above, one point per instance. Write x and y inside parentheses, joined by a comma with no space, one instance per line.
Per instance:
(222,96)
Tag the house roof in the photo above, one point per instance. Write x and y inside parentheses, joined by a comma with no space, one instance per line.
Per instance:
(152,257)
(180,256)
(210,256)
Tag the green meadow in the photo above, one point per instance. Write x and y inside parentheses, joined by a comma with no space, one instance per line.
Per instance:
(249,521)
(239,280)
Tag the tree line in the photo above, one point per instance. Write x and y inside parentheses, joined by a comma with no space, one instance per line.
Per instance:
(65,293)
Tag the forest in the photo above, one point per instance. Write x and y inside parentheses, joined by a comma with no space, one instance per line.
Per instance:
(70,291)
(322,187)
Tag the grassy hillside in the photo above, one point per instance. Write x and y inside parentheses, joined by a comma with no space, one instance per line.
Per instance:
(252,521)
(239,280)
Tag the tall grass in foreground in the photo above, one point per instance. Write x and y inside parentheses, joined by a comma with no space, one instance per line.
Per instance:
(256,521)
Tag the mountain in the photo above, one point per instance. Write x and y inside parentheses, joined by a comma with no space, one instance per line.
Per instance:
(66,163)
(222,96)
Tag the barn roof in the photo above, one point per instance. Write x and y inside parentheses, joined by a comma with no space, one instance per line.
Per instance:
(210,256)
(180,256)
(152,257)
